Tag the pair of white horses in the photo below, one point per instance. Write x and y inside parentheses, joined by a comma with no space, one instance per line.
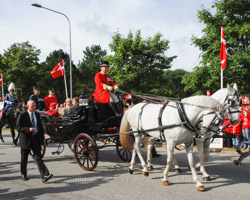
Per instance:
(198,109)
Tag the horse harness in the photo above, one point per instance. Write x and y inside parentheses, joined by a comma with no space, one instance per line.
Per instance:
(183,116)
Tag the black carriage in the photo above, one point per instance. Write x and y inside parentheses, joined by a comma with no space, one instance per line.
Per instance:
(80,131)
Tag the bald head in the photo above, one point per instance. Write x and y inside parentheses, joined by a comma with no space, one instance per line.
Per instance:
(31,105)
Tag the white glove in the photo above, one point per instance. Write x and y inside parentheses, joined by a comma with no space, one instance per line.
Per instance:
(110,88)
(116,88)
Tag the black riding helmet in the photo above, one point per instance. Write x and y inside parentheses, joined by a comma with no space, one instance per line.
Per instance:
(104,63)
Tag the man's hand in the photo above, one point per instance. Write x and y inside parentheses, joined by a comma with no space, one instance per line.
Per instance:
(32,129)
(116,88)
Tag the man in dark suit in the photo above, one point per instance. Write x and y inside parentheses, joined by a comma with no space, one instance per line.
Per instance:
(31,134)
(75,108)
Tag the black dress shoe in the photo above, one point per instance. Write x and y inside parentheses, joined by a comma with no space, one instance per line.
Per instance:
(24,178)
(46,178)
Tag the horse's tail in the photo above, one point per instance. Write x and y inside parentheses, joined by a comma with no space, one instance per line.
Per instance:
(125,140)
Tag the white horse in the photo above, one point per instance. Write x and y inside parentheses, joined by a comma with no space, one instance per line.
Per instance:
(195,107)
(203,145)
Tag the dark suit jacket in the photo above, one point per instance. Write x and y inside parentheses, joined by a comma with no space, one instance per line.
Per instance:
(74,110)
(23,126)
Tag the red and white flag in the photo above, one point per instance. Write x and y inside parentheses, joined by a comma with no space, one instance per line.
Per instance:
(223,50)
(58,70)
(1,79)
(128,96)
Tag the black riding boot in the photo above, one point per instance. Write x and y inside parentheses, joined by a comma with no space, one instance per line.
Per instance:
(114,108)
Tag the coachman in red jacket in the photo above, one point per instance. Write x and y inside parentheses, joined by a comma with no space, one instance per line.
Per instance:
(105,87)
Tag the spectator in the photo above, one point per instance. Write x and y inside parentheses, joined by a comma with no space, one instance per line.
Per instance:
(229,129)
(245,128)
(75,106)
(65,110)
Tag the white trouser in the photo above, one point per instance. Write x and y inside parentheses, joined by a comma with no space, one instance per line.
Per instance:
(113,98)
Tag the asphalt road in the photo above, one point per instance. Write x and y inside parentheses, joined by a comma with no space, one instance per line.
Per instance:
(110,179)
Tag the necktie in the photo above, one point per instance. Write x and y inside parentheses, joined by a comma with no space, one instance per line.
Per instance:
(32,120)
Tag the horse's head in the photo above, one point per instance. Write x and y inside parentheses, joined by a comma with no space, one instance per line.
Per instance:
(231,105)
(21,107)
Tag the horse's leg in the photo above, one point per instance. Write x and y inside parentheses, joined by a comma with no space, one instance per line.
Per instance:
(177,168)
(151,143)
(1,136)
(137,150)
(132,163)
(137,147)
(189,150)
(16,140)
(203,152)
(170,157)
(12,130)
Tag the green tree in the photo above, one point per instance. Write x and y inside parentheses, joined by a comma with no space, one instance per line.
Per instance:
(133,53)
(234,15)
(20,66)
(89,66)
(171,85)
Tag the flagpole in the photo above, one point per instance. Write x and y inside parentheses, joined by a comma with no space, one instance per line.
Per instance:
(221,78)
(65,83)
(2,88)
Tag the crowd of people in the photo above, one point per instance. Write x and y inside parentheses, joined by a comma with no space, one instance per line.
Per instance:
(240,131)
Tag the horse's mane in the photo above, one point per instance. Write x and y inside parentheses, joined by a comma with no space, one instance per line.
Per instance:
(202,100)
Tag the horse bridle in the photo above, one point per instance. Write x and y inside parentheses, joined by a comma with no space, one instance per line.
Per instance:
(218,119)
(232,101)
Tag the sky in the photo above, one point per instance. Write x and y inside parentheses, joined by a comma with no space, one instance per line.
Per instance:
(94,22)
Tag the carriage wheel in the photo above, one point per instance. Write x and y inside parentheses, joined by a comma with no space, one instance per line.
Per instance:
(71,145)
(43,150)
(86,152)
(123,153)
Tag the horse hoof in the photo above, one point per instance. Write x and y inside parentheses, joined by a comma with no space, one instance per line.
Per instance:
(145,173)
(201,188)
(177,170)
(236,162)
(130,171)
(166,183)
(207,178)
(150,167)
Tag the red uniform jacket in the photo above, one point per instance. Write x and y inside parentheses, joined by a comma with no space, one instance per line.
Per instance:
(246,121)
(100,94)
(237,128)
(228,127)
(48,100)
(53,113)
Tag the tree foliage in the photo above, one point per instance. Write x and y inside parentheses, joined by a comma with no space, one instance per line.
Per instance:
(20,65)
(234,15)
(133,53)
(89,66)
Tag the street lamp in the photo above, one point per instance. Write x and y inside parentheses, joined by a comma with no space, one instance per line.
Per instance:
(70,64)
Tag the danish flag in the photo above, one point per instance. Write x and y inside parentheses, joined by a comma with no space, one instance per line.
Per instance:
(1,79)
(223,50)
(58,70)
